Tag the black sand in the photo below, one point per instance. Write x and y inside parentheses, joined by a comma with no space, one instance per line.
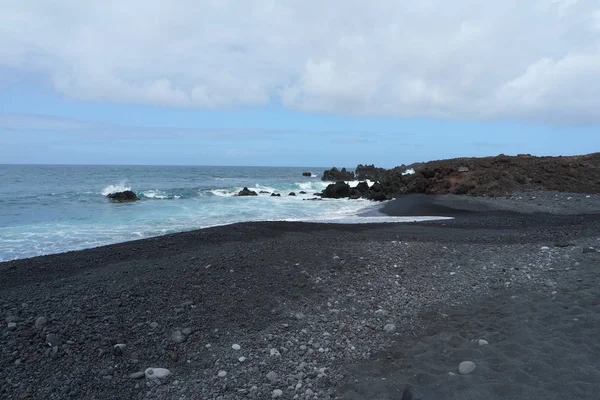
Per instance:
(310,303)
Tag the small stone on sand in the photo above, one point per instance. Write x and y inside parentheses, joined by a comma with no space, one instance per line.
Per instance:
(275,353)
(222,374)
(272,376)
(53,340)
(466,367)
(12,326)
(178,337)
(40,322)
(390,328)
(137,375)
(157,373)
(186,331)
(483,342)
(236,347)
(277,393)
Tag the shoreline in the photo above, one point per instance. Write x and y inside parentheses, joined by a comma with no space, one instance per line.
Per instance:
(420,208)
(313,303)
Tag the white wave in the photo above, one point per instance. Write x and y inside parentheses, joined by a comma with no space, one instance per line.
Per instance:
(229,192)
(410,171)
(155,194)
(121,187)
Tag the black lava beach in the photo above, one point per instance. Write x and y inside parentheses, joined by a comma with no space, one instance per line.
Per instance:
(500,302)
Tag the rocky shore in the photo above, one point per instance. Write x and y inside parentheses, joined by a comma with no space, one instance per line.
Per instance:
(485,177)
(500,302)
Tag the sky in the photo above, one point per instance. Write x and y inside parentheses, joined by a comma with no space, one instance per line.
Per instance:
(296,83)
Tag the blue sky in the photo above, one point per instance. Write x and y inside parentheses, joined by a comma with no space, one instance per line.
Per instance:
(276,83)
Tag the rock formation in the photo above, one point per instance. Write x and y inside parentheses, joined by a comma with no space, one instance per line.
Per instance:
(247,192)
(125,196)
(335,175)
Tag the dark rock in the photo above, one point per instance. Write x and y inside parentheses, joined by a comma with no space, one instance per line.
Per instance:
(302,192)
(362,187)
(309,174)
(53,340)
(461,189)
(337,190)
(264,192)
(125,196)
(377,187)
(335,174)
(275,195)
(370,172)
(589,250)
(380,196)
(247,192)
(292,194)
(564,244)
(355,193)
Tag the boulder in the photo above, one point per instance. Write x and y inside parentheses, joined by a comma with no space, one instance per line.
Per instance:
(335,174)
(275,195)
(125,196)
(377,187)
(380,196)
(362,187)
(264,192)
(337,190)
(309,174)
(355,193)
(292,194)
(247,192)
(302,192)
(370,172)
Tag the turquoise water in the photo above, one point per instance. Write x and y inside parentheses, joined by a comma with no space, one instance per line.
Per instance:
(51,209)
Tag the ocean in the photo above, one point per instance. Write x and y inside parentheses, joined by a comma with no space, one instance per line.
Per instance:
(47,209)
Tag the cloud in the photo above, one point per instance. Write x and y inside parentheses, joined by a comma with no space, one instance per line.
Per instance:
(533,61)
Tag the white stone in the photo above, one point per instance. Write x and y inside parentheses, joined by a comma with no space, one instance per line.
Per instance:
(157,373)
(275,353)
(483,342)
(12,326)
(466,367)
(236,347)
(277,393)
(390,328)
(545,248)
(222,374)
(242,359)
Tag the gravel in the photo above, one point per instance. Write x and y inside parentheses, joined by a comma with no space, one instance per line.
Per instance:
(291,306)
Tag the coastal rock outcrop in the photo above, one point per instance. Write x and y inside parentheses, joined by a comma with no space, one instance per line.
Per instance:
(309,174)
(488,176)
(247,192)
(337,190)
(335,175)
(125,196)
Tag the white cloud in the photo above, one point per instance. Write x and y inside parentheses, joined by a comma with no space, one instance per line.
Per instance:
(528,60)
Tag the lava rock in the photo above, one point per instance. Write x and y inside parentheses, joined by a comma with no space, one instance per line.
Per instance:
(247,192)
(125,196)
(337,190)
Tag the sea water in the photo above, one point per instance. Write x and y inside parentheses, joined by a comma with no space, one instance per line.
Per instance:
(55,208)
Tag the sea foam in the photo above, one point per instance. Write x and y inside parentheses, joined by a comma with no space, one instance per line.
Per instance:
(121,187)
